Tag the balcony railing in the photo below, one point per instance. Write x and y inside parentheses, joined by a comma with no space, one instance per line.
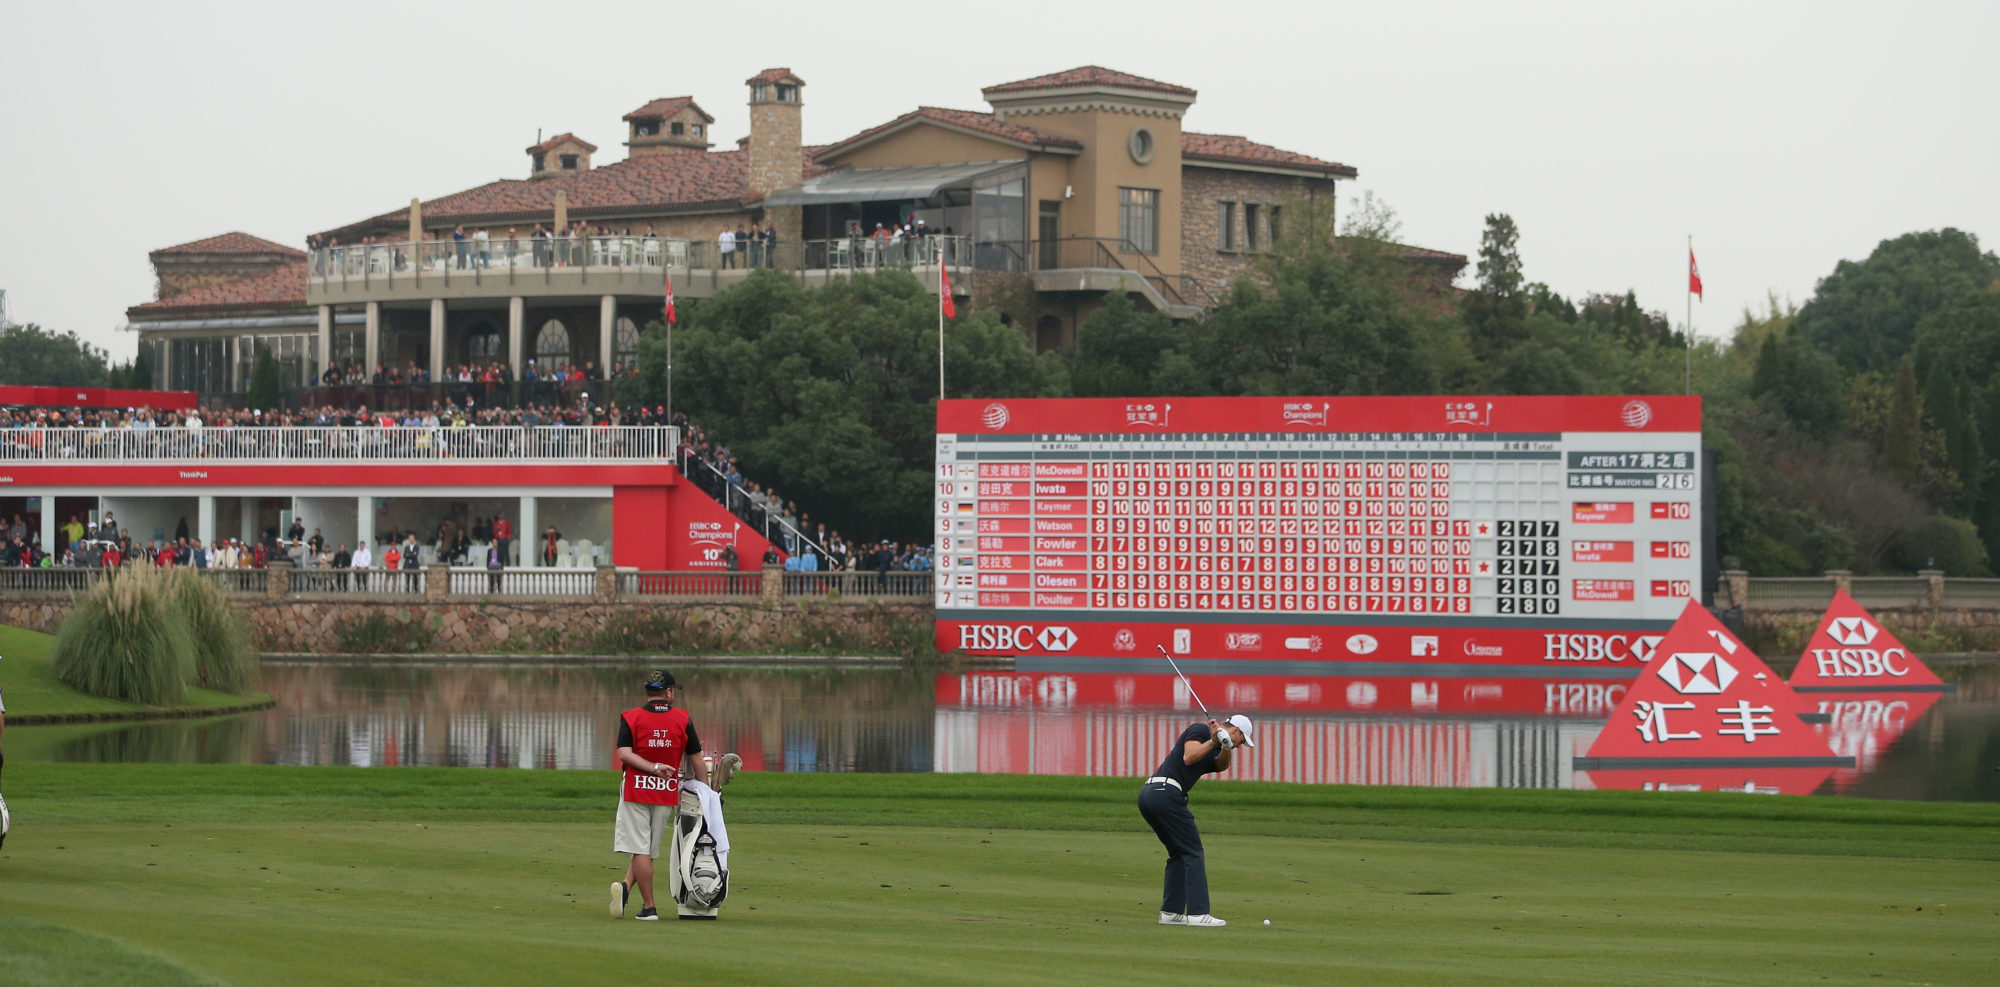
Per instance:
(448,259)
(1114,254)
(476,443)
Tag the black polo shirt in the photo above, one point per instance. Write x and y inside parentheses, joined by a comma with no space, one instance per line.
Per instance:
(1177,768)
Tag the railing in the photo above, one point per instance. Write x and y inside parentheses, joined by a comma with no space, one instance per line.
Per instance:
(1109,253)
(1890,591)
(1972,594)
(243,582)
(248,582)
(523,582)
(858,583)
(690,584)
(512,256)
(705,476)
(317,443)
(1787,592)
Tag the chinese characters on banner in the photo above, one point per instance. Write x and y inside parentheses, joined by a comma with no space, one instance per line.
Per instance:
(1708,701)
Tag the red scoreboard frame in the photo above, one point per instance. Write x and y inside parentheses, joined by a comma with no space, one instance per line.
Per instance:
(1345,531)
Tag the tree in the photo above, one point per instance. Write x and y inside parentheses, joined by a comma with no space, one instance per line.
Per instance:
(1866,313)
(1120,350)
(828,395)
(1903,434)
(33,356)
(1321,323)
(1801,383)
(263,389)
(1496,314)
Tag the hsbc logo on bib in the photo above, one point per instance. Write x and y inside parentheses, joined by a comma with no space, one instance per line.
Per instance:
(1599,647)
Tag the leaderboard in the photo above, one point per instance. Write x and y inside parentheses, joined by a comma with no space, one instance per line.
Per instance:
(1446,529)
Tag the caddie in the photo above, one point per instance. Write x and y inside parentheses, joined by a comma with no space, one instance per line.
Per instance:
(654,742)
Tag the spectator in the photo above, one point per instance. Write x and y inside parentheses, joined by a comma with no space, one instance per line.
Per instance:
(725,244)
(460,246)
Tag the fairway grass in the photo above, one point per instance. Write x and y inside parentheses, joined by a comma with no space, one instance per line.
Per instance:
(258,875)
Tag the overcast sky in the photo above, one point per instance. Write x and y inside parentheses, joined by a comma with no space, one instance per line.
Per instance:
(1782,136)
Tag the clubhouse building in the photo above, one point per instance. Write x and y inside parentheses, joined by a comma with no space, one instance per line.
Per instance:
(1076,184)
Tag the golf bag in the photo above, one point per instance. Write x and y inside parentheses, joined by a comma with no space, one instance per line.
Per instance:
(701,852)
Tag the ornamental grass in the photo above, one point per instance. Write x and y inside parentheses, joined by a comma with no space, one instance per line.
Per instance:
(145,636)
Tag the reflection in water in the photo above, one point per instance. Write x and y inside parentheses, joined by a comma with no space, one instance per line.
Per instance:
(1516,732)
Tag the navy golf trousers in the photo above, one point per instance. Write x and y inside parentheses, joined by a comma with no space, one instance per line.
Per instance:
(1166,810)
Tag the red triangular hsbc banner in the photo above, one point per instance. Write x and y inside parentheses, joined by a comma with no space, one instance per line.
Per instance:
(1707,700)
(1853,651)
(1867,724)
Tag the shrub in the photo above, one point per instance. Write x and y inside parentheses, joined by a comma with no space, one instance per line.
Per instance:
(224,658)
(377,634)
(124,640)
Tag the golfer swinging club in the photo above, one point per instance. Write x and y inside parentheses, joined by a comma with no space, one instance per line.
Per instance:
(654,741)
(1200,749)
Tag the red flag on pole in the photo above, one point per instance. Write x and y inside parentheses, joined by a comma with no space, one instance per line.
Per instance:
(1694,276)
(944,288)
(670,297)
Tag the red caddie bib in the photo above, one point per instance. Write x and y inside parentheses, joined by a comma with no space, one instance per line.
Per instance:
(661,738)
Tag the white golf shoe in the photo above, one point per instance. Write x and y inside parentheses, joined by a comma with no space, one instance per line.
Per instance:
(1172,918)
(1206,921)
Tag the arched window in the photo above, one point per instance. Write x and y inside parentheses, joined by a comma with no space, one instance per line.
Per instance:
(625,341)
(552,346)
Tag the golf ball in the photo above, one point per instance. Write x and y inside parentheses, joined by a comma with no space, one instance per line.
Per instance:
(1267,921)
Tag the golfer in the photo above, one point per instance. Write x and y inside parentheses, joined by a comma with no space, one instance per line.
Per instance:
(653,742)
(1200,749)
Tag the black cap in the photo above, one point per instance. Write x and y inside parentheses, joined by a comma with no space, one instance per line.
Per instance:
(659,678)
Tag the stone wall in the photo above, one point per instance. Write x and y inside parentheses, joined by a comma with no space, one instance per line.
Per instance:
(563,627)
(1202,191)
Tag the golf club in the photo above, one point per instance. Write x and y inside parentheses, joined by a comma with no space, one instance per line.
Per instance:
(1184,680)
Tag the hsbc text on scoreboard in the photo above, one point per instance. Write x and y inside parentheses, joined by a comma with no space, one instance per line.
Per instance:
(1448,530)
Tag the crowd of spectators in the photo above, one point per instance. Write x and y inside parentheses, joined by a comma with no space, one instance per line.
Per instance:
(800,542)
(491,373)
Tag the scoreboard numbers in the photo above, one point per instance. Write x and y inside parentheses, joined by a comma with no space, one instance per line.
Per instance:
(1340,511)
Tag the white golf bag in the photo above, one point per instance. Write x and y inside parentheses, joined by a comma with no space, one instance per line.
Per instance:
(701,848)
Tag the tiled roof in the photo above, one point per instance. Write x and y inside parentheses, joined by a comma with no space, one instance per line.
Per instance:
(1088,75)
(232,243)
(281,286)
(667,106)
(774,75)
(710,178)
(1407,251)
(1243,150)
(984,123)
(550,144)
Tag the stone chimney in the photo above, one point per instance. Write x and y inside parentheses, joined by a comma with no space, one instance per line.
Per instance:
(673,125)
(563,154)
(777,149)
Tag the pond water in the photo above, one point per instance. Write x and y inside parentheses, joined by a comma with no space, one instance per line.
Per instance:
(1515,732)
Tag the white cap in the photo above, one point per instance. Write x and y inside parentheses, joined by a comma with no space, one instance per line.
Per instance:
(1241,722)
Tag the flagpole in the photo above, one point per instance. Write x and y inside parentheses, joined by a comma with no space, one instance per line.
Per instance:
(1690,321)
(939,241)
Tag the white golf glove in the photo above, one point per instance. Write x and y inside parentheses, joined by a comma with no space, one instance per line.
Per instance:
(1222,739)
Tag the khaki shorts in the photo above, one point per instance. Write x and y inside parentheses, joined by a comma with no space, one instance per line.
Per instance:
(640,827)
